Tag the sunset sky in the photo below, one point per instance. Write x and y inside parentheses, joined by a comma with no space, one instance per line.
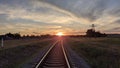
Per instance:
(52,16)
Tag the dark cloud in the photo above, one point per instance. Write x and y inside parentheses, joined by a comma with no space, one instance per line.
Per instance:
(89,9)
(116,28)
(117,21)
(3,18)
(15,2)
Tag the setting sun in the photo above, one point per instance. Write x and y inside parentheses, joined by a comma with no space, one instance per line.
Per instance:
(59,34)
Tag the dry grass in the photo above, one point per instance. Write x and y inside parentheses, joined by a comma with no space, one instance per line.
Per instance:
(98,52)
(14,43)
(20,51)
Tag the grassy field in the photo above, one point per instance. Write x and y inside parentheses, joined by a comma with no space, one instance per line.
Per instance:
(17,52)
(98,52)
(20,42)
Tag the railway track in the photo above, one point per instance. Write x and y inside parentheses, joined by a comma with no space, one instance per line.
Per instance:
(55,57)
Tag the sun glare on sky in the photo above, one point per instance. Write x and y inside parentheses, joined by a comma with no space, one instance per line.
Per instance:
(59,34)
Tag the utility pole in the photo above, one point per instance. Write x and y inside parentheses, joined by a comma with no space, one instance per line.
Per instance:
(93,27)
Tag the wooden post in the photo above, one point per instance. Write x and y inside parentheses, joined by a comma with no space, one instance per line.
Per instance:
(2,43)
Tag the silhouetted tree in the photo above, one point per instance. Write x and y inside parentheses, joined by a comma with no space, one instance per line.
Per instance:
(13,36)
(45,36)
(17,36)
(93,33)
(10,35)
(90,33)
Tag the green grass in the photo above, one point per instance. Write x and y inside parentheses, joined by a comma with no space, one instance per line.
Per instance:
(16,56)
(115,41)
(98,55)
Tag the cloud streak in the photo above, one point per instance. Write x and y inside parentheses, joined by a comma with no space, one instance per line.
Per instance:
(99,12)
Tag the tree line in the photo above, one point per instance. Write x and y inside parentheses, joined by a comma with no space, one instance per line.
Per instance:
(10,36)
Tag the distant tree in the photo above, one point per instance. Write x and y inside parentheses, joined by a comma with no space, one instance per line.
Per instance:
(17,36)
(13,36)
(1,36)
(93,33)
(90,33)
(46,36)
(97,34)
(10,35)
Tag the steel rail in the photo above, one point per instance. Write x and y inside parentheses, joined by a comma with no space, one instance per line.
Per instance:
(65,55)
(37,66)
(50,49)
